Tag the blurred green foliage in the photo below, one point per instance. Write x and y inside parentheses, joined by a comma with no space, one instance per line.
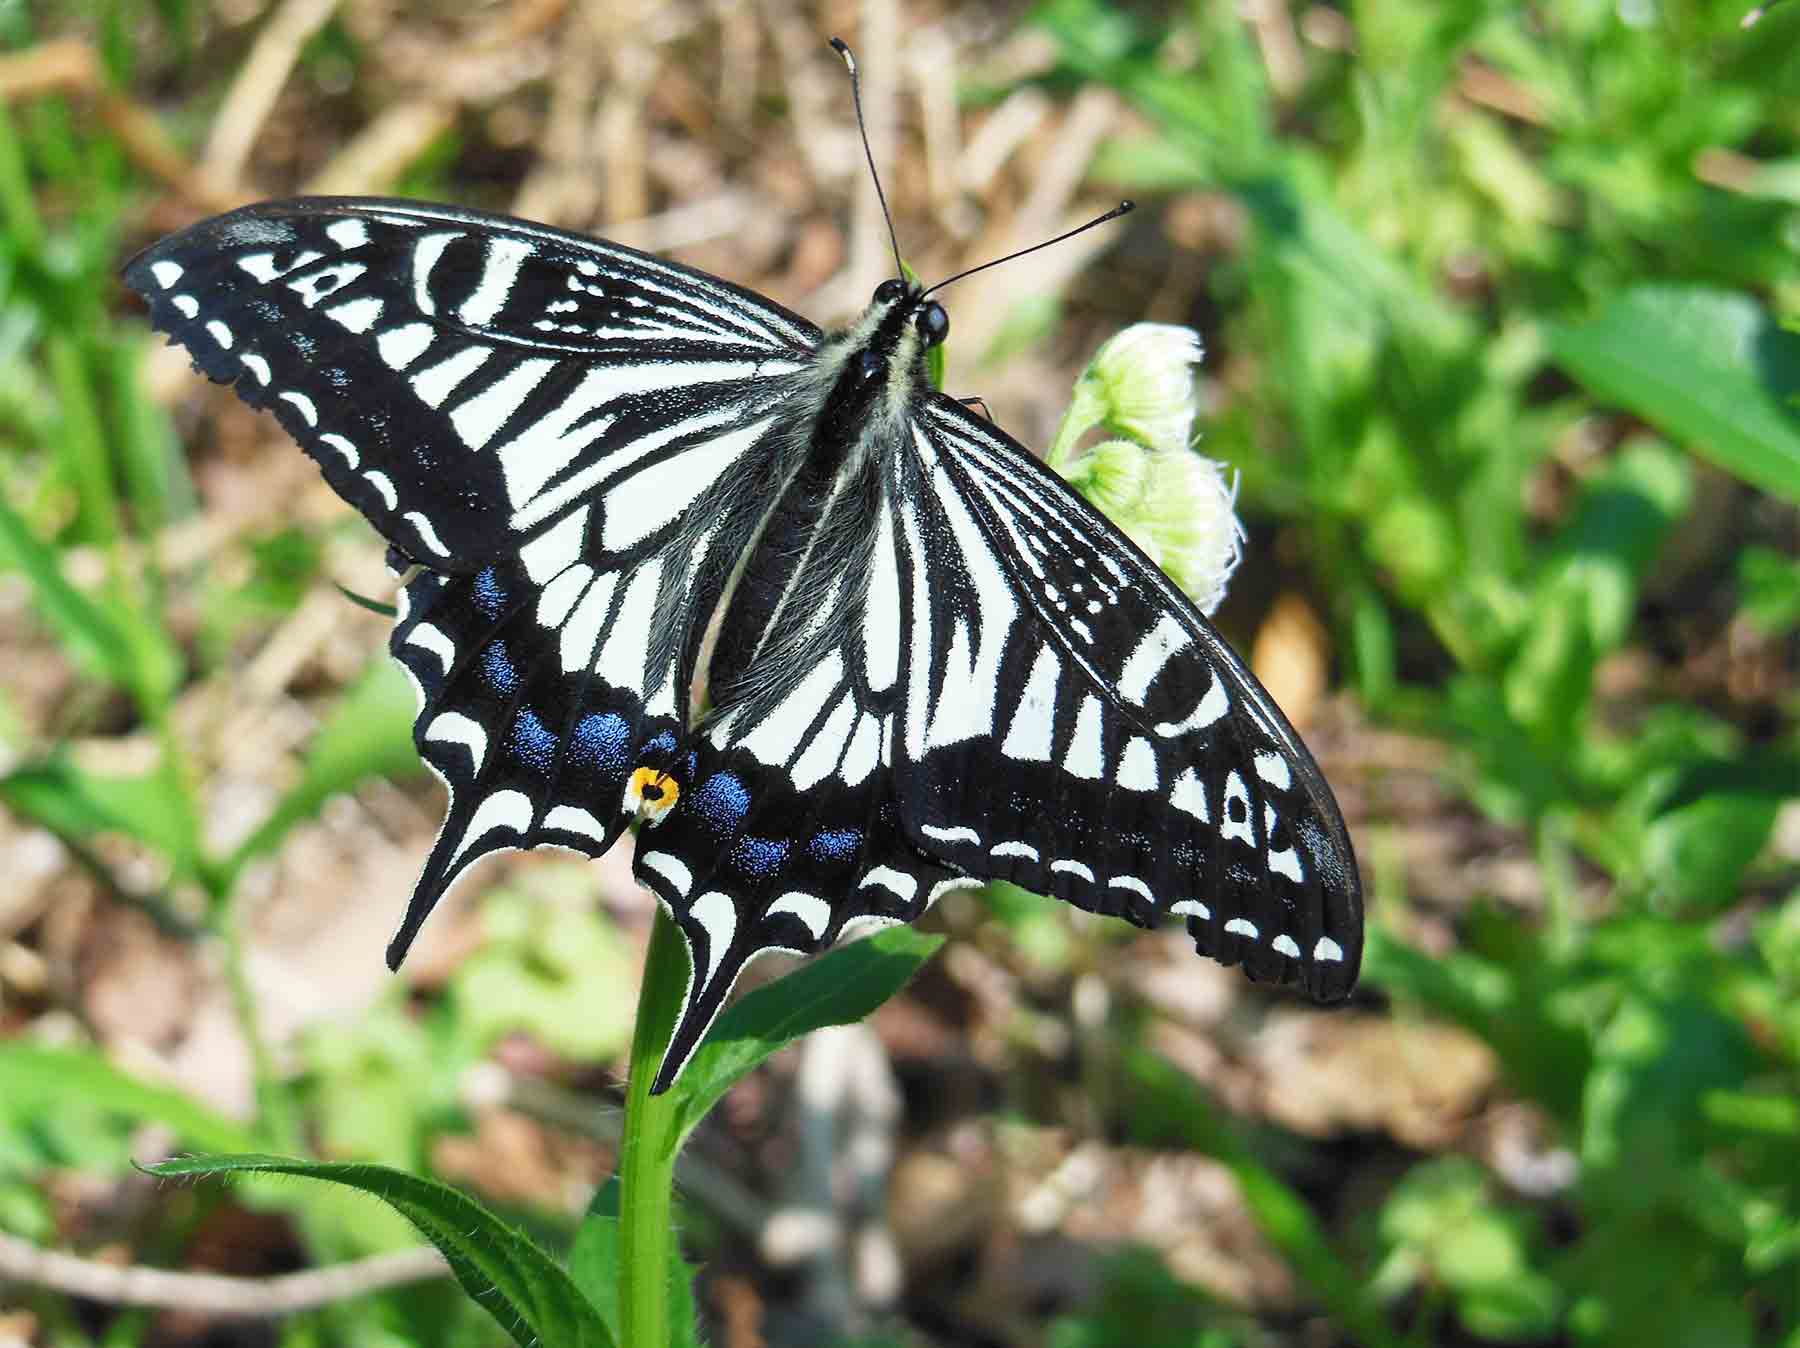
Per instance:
(1515,367)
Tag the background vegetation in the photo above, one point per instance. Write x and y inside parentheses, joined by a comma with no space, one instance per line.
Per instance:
(1499,301)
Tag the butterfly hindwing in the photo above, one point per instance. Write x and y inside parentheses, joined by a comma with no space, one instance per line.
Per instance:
(755,859)
(553,688)
(788,833)
(1072,724)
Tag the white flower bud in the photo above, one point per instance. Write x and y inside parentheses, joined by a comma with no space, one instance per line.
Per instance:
(1173,503)
(1145,379)
(1193,525)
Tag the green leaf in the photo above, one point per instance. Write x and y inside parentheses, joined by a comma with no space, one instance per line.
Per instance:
(1652,1283)
(1583,607)
(1710,367)
(1769,583)
(1141,163)
(1742,1111)
(525,1291)
(154,466)
(372,1080)
(1505,996)
(550,966)
(1768,51)
(594,1265)
(81,443)
(1712,821)
(1655,1061)
(1441,1224)
(838,988)
(38,1082)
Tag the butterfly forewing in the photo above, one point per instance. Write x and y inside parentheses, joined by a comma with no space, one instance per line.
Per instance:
(548,682)
(469,381)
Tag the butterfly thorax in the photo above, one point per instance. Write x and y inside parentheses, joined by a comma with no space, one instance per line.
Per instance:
(870,373)
(868,376)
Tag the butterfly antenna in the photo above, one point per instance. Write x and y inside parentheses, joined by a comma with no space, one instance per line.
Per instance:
(842,48)
(1123,208)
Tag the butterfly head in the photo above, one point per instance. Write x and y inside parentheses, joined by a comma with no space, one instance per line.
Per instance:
(878,362)
(926,316)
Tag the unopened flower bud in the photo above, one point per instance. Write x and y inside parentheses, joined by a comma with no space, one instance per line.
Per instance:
(1173,503)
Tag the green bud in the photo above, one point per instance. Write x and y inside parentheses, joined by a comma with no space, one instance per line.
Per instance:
(1115,476)
(1174,504)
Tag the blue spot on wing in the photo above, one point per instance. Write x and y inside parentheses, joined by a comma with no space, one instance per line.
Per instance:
(497,665)
(490,598)
(759,857)
(531,741)
(723,801)
(602,741)
(837,844)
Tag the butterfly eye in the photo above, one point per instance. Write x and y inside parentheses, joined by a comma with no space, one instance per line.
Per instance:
(933,322)
(889,291)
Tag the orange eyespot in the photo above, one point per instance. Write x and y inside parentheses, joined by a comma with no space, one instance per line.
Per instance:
(651,793)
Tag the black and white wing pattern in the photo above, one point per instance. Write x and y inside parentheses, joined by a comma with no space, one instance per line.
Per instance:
(1073,724)
(615,488)
(959,671)
(788,834)
(573,442)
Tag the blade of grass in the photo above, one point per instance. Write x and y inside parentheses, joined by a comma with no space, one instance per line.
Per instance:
(89,633)
(35,1081)
(368,734)
(18,209)
(84,454)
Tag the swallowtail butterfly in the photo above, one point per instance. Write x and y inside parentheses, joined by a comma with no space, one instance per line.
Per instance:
(931,663)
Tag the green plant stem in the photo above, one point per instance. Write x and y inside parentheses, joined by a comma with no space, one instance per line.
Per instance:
(647,1149)
(276,1122)
(1557,863)
(1085,412)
